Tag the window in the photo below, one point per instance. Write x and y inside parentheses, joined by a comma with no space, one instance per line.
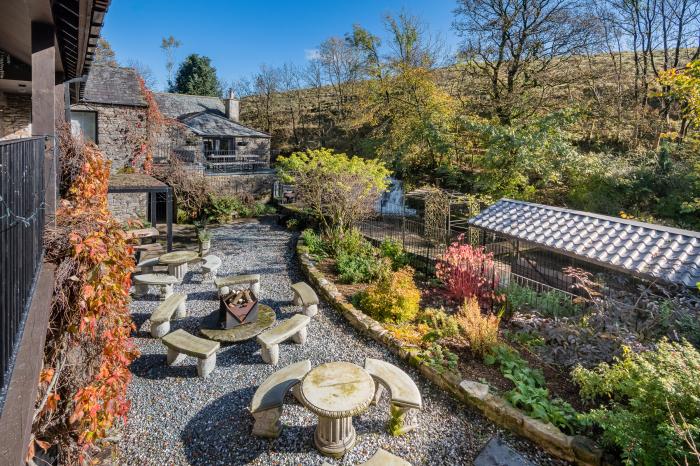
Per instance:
(84,123)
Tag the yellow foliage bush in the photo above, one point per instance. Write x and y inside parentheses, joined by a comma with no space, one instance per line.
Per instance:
(479,330)
(410,333)
(394,297)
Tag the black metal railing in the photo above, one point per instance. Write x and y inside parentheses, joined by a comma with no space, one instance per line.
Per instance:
(235,161)
(21,233)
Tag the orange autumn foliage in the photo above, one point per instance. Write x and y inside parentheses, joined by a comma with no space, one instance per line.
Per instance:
(90,322)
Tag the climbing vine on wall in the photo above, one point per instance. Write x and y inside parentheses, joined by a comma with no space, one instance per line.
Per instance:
(82,388)
(145,138)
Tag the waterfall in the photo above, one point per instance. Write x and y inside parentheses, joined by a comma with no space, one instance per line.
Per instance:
(392,200)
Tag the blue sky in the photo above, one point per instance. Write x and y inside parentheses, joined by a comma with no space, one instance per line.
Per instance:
(240,35)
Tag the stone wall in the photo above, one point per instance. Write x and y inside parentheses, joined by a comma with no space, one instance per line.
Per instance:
(119,129)
(257,184)
(15,116)
(128,206)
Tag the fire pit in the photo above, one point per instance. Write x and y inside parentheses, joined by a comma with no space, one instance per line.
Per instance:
(238,308)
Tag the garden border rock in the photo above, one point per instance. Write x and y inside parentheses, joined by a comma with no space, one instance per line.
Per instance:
(578,449)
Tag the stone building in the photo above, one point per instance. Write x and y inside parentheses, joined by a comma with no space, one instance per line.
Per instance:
(204,133)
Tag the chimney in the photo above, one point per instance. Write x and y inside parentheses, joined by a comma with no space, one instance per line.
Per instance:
(232,106)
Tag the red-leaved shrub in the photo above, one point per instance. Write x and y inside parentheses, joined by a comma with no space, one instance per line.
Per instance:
(468,272)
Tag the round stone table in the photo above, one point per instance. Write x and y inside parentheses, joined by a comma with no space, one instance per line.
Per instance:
(177,262)
(210,327)
(336,391)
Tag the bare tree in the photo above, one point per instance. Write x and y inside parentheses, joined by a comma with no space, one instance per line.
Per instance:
(169,46)
(290,84)
(512,45)
(312,76)
(341,66)
(266,84)
(144,71)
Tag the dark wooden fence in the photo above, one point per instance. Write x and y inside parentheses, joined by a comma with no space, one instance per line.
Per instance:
(21,250)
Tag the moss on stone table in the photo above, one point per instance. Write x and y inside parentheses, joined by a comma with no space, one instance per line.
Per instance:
(210,327)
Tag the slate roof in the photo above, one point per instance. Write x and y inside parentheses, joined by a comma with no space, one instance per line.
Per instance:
(113,85)
(212,124)
(175,105)
(643,249)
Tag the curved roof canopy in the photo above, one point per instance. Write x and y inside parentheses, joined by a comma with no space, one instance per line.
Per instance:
(643,249)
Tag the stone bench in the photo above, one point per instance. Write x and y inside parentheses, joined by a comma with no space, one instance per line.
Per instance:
(266,406)
(382,458)
(147,265)
(210,264)
(163,281)
(405,396)
(224,284)
(181,344)
(305,296)
(160,319)
(294,328)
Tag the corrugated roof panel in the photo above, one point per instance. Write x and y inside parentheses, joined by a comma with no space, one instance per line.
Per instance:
(654,251)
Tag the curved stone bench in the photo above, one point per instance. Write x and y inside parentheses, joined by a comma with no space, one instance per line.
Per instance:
(181,344)
(163,281)
(306,297)
(382,458)
(405,396)
(210,264)
(269,341)
(160,319)
(266,405)
(147,265)
(224,284)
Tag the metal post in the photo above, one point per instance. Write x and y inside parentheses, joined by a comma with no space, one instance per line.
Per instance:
(152,198)
(169,217)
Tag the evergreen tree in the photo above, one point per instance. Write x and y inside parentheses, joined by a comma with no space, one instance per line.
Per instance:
(196,76)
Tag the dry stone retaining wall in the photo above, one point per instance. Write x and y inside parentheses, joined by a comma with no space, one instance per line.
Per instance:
(128,206)
(577,449)
(15,116)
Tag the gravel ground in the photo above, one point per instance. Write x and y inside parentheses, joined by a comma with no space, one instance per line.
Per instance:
(179,418)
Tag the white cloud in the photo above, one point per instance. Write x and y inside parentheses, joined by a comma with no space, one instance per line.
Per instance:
(311,54)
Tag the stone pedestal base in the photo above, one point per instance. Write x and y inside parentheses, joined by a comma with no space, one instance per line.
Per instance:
(177,271)
(206,365)
(334,437)
(270,354)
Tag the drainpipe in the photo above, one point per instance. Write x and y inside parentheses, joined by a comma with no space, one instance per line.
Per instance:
(66,93)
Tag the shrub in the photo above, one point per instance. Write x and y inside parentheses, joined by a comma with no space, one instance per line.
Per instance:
(468,272)
(339,190)
(223,209)
(480,331)
(394,251)
(440,324)
(360,268)
(439,358)
(88,350)
(394,297)
(551,303)
(350,242)
(317,247)
(530,393)
(642,393)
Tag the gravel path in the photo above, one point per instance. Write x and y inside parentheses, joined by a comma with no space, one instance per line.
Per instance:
(179,418)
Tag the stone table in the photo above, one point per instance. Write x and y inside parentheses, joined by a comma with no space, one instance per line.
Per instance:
(210,326)
(177,262)
(336,391)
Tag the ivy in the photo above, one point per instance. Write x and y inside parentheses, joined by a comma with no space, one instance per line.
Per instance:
(88,348)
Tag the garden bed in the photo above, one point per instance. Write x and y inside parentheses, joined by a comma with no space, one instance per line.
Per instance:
(473,392)
(558,381)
